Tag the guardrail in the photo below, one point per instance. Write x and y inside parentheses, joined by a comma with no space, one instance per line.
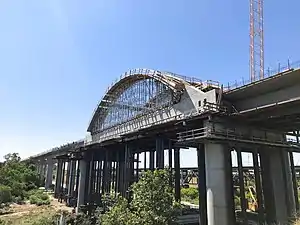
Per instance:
(268,73)
(74,143)
(229,134)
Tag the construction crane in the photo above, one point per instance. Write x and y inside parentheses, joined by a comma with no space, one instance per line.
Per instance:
(256,40)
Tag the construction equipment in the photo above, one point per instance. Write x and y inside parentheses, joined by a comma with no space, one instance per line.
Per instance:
(256,40)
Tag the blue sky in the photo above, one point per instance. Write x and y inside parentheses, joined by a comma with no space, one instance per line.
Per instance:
(58,57)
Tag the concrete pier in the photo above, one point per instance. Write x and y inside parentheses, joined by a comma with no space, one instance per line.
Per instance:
(82,183)
(217,165)
(49,173)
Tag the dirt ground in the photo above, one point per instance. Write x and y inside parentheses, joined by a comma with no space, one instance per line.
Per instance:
(21,211)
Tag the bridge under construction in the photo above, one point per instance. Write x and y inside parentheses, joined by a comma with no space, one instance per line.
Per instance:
(148,113)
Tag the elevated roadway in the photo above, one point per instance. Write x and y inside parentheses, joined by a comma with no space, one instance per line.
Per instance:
(150,111)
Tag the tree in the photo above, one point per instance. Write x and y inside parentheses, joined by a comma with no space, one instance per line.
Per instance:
(153,198)
(118,215)
(17,175)
(152,204)
(5,194)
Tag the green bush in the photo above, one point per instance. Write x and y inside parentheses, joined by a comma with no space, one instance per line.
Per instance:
(19,176)
(5,194)
(33,199)
(39,198)
(18,200)
(152,204)
(191,193)
(41,218)
(43,196)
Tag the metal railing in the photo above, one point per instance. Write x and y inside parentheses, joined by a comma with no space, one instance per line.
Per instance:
(185,78)
(205,132)
(192,134)
(132,126)
(268,73)
(55,149)
(213,107)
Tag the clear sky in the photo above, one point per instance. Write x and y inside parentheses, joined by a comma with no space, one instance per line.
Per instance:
(58,57)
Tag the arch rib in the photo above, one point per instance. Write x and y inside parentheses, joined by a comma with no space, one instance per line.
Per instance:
(174,83)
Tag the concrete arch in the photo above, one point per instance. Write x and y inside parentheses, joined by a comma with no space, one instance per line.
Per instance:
(174,83)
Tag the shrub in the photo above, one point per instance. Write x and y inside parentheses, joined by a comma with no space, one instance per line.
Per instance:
(118,215)
(43,196)
(39,218)
(39,198)
(33,199)
(5,194)
(152,204)
(17,175)
(18,200)
(190,193)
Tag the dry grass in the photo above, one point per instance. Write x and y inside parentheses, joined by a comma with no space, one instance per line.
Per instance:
(27,217)
(27,213)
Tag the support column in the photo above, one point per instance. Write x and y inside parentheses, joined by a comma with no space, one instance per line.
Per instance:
(137,168)
(288,181)
(171,163)
(104,175)
(117,181)
(202,185)
(99,171)
(71,181)
(77,179)
(49,174)
(242,187)
(87,178)
(41,171)
(294,179)
(58,178)
(128,173)
(81,184)
(114,176)
(145,161)
(121,178)
(151,160)
(177,173)
(68,174)
(159,153)
(107,172)
(219,194)
(109,176)
(44,172)
(62,192)
(278,185)
(37,166)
